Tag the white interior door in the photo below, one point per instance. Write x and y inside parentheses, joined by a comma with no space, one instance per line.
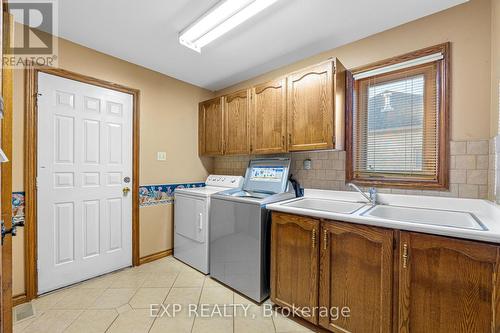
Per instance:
(84,156)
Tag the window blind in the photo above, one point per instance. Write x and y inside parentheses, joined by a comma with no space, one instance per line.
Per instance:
(399,66)
(396,122)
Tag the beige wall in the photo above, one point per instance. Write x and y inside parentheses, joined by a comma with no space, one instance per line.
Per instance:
(160,236)
(168,118)
(169,106)
(467,26)
(495,65)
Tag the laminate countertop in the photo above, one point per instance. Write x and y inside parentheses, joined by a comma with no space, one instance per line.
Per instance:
(455,217)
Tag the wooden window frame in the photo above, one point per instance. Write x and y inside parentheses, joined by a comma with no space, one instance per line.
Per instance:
(441,181)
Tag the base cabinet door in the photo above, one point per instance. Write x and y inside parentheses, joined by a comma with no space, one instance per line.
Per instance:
(448,285)
(294,263)
(356,276)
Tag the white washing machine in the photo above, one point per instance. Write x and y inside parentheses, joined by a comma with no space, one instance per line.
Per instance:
(191,220)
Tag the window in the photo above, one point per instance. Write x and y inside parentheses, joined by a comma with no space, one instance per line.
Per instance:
(397,122)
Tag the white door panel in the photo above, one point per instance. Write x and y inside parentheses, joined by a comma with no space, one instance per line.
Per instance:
(84,153)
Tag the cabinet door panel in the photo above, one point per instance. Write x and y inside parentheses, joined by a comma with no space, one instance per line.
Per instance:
(356,272)
(268,118)
(236,109)
(448,285)
(210,129)
(294,263)
(310,108)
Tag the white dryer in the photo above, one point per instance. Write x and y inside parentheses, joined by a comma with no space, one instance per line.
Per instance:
(191,220)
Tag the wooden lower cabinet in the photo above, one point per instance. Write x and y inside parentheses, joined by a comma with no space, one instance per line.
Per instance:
(294,263)
(448,285)
(389,280)
(356,270)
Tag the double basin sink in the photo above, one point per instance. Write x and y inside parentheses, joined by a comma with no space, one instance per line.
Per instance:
(437,217)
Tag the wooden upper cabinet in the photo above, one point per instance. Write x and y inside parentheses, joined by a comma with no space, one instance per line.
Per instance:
(448,285)
(356,265)
(268,118)
(305,111)
(210,127)
(236,129)
(311,108)
(294,263)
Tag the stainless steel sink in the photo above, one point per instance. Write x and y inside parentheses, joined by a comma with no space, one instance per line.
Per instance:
(445,218)
(326,205)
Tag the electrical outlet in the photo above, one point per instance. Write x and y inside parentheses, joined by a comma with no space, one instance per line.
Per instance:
(161,156)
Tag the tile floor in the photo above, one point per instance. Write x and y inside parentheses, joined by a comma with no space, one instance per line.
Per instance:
(120,302)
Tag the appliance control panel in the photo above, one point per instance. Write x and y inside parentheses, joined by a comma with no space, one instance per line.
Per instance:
(224,181)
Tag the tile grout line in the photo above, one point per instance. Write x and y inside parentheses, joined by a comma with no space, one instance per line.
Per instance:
(111,324)
(234,314)
(198,303)
(166,296)
(74,320)
(88,308)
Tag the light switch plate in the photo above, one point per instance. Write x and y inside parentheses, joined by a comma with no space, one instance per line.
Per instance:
(307,164)
(161,156)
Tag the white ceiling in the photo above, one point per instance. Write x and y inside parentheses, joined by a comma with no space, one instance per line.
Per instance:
(145,33)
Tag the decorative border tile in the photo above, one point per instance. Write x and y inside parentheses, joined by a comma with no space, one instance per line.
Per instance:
(151,195)
(18,204)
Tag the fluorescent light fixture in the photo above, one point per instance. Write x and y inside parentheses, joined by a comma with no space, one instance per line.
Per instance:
(220,19)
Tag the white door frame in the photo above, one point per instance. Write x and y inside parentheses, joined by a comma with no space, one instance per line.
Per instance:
(30,168)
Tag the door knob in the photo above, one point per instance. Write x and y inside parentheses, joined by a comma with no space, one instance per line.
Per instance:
(126,190)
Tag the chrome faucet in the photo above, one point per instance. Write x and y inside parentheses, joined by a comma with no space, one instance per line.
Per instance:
(372,198)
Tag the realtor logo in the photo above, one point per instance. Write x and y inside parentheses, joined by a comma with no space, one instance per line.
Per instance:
(33,36)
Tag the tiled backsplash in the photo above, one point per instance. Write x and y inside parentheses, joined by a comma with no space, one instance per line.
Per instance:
(470,170)
(492,172)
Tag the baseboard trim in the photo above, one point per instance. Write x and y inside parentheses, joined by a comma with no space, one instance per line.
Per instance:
(19,299)
(155,256)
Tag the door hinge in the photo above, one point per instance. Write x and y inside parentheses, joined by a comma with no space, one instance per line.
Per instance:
(405,255)
(36,182)
(325,239)
(313,238)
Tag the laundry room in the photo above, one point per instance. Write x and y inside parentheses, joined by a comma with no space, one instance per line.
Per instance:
(250,166)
